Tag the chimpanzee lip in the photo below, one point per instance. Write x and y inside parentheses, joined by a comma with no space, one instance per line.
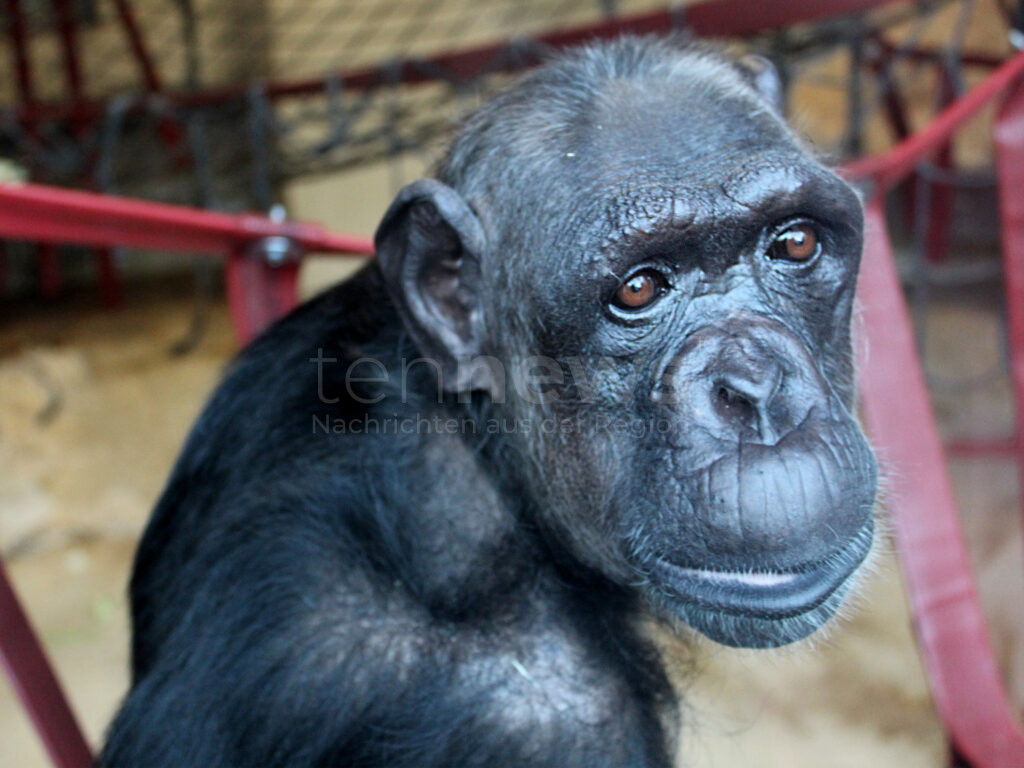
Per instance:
(767,594)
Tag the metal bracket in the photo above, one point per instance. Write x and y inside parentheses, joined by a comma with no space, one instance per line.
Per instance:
(276,250)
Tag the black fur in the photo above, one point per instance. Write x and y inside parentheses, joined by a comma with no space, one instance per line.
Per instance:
(373,554)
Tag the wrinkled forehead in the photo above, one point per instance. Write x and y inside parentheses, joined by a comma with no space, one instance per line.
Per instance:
(681,131)
(647,152)
(662,157)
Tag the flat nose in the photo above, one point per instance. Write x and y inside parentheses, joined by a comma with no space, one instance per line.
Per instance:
(744,380)
(742,393)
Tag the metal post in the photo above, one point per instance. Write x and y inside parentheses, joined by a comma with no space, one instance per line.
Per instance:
(940,210)
(50,279)
(138,45)
(67,26)
(259,292)
(19,49)
(1009,157)
(25,663)
(949,622)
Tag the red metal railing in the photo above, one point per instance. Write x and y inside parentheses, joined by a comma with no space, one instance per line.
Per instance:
(26,666)
(950,625)
(49,214)
(260,289)
(1009,155)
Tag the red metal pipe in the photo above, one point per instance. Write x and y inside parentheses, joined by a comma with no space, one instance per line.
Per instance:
(138,45)
(68,27)
(942,199)
(19,50)
(742,18)
(51,280)
(894,108)
(880,63)
(951,631)
(110,284)
(258,293)
(48,214)
(926,54)
(50,277)
(949,622)
(35,684)
(170,131)
(891,167)
(966,448)
(1009,158)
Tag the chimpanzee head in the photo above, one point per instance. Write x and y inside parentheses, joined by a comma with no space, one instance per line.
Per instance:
(634,236)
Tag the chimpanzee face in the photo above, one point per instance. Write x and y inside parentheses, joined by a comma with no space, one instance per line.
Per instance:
(672,276)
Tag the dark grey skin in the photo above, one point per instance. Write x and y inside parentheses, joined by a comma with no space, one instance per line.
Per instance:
(310,594)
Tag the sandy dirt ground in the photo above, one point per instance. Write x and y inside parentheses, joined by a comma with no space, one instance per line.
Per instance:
(94,406)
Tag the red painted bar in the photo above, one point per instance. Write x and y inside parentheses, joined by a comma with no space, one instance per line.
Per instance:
(894,108)
(106,272)
(50,278)
(1009,157)
(742,18)
(935,55)
(964,448)
(48,214)
(891,167)
(68,28)
(950,626)
(19,50)
(170,131)
(35,684)
(258,293)
(940,208)
(138,45)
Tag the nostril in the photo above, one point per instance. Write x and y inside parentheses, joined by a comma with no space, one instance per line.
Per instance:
(735,408)
(726,395)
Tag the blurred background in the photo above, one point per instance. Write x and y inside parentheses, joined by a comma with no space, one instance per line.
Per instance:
(326,109)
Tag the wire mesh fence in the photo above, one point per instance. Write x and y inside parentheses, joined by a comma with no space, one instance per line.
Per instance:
(219,104)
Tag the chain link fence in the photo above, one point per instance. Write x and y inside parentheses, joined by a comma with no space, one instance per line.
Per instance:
(218,104)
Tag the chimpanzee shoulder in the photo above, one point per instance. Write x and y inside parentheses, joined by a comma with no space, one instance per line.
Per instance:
(392,559)
(244,417)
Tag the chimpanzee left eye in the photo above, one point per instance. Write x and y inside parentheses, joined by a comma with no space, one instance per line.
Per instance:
(798,243)
(640,290)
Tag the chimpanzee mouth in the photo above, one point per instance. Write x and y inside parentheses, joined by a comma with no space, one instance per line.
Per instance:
(762,594)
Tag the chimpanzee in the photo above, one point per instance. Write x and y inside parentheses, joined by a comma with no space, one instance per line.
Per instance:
(599,371)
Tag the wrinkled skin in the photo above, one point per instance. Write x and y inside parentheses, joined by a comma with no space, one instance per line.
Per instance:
(472,596)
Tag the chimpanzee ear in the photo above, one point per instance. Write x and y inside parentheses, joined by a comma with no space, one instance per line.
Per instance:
(429,245)
(763,75)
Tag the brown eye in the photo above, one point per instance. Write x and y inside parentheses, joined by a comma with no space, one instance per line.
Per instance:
(798,242)
(640,290)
